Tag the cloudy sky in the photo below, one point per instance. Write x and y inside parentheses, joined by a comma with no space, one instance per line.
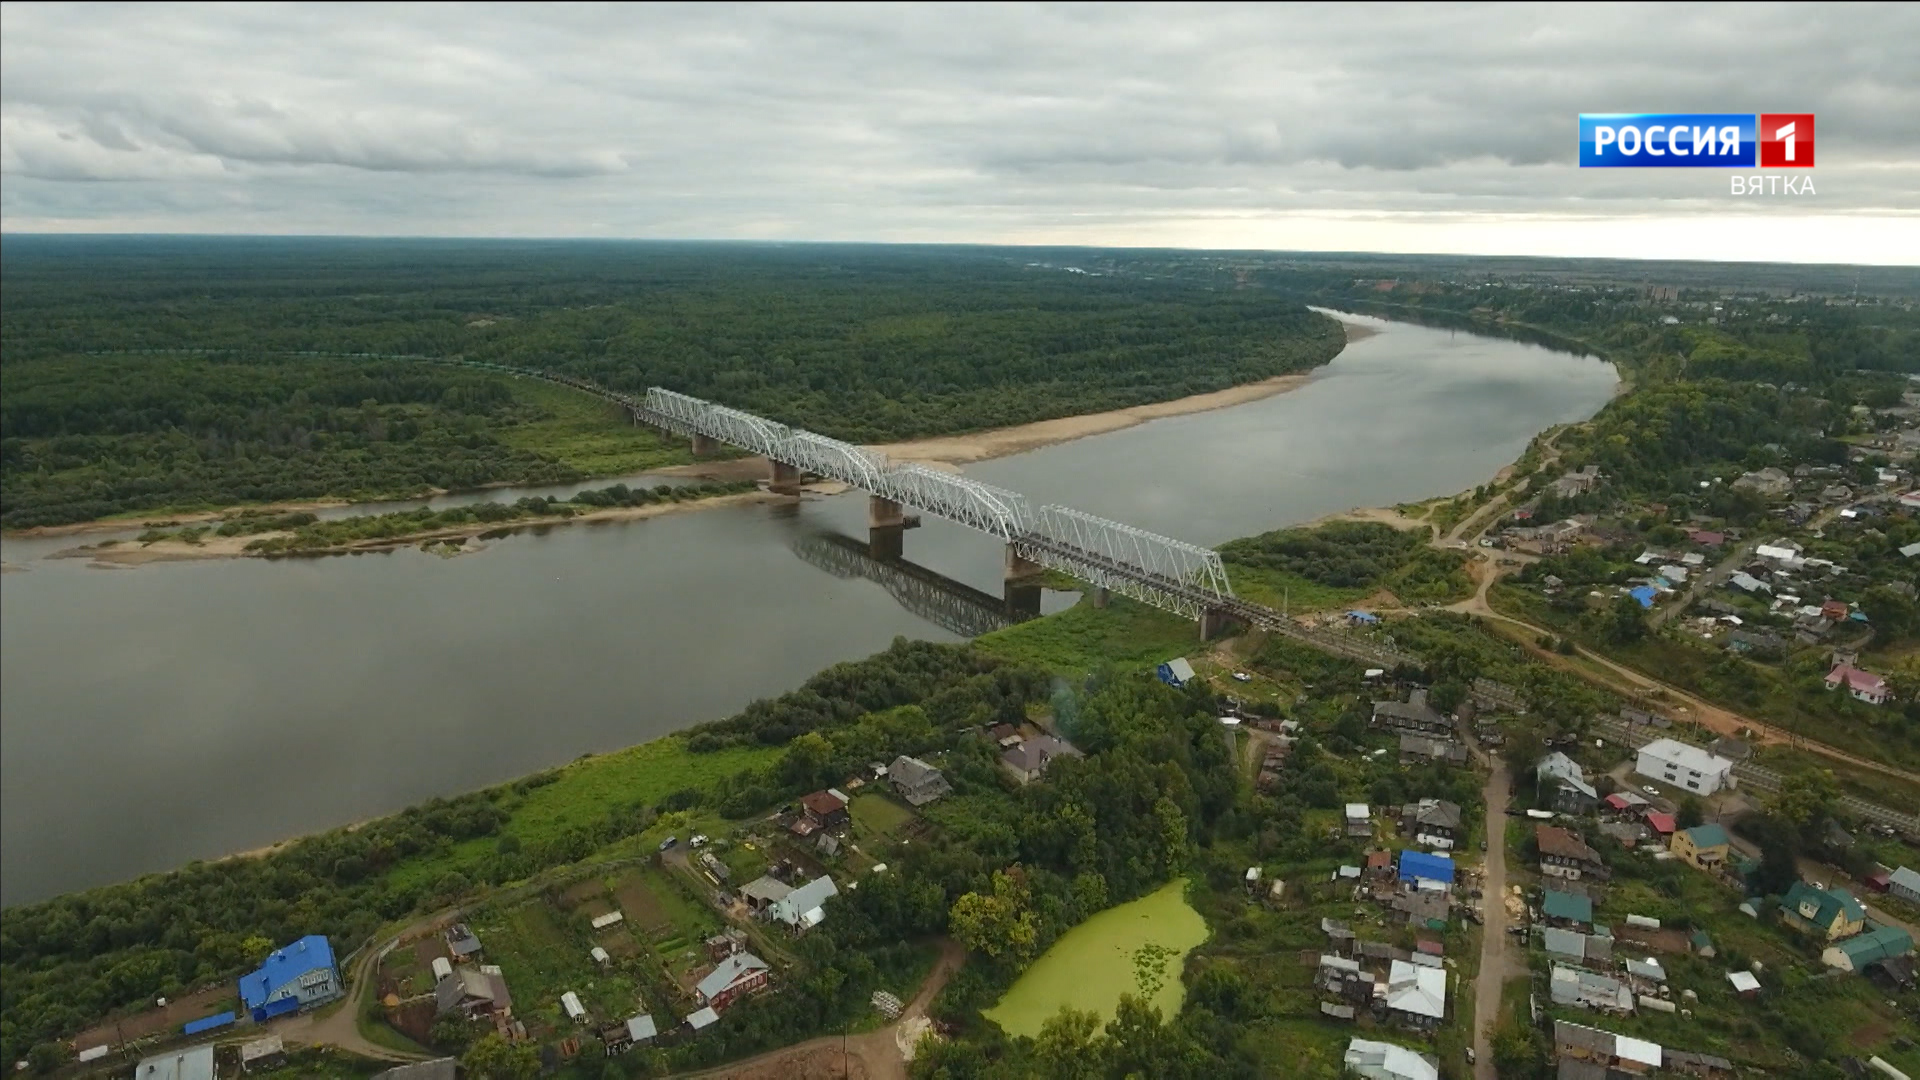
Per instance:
(1425,127)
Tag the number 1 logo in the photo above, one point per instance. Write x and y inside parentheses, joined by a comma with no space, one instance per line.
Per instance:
(1786,140)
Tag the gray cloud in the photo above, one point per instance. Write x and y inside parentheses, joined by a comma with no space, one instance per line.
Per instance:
(1105,124)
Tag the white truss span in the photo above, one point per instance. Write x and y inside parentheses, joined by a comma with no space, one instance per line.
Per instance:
(1171,574)
(1155,569)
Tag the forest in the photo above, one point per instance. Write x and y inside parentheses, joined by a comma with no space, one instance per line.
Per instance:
(865,344)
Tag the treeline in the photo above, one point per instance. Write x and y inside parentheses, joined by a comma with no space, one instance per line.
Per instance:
(865,344)
(89,437)
(66,963)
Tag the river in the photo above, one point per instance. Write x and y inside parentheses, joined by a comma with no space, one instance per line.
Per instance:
(186,710)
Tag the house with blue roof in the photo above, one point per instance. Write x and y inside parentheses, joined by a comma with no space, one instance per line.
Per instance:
(1418,866)
(298,976)
(1830,913)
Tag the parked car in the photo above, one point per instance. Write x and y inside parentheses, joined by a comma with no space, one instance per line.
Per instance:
(669,842)
(698,839)
(1651,790)
(1241,676)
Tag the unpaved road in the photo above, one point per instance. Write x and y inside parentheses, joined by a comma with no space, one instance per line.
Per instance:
(1497,960)
(872,1055)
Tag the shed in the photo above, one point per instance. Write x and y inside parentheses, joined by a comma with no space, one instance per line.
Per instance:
(1176,672)
(570,1001)
(207,1023)
(702,1018)
(442,967)
(192,1063)
(611,918)
(1572,908)
(263,1053)
(641,1028)
(1744,983)
(600,956)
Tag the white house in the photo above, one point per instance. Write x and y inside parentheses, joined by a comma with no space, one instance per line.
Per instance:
(1863,685)
(1905,884)
(1417,993)
(1385,1061)
(1686,767)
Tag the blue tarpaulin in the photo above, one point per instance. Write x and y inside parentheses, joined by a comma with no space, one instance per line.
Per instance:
(1363,617)
(1418,864)
(1645,595)
(208,1023)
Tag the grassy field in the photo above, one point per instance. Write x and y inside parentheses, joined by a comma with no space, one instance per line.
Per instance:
(589,434)
(1279,589)
(585,790)
(1100,959)
(877,814)
(1081,638)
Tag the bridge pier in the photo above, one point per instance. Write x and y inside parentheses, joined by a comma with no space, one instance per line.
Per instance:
(1019,566)
(705,446)
(1100,596)
(886,528)
(1023,599)
(1214,622)
(786,479)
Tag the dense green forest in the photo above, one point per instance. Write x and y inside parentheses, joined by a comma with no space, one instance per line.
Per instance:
(866,344)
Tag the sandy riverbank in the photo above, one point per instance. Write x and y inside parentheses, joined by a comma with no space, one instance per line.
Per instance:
(131,553)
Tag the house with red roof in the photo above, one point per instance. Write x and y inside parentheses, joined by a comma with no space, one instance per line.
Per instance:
(1863,685)
(1661,823)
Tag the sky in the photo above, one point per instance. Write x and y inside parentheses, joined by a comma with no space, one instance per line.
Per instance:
(1396,128)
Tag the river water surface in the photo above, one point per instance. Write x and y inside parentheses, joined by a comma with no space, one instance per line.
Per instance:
(187,710)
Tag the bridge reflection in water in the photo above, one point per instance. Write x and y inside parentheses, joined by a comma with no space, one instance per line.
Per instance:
(954,606)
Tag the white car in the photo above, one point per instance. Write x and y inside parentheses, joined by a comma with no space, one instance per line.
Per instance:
(1241,676)
(698,839)
(1650,789)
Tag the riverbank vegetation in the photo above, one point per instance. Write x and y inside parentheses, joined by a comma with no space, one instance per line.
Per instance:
(1343,561)
(303,533)
(865,344)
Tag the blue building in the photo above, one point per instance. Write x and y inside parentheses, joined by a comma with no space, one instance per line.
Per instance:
(299,976)
(1420,866)
(1175,672)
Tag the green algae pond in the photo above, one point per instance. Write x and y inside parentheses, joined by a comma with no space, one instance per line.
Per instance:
(1136,948)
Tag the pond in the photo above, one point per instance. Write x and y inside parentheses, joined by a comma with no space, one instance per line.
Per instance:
(1093,964)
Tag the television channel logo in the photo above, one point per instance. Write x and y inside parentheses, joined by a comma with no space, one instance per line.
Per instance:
(1696,140)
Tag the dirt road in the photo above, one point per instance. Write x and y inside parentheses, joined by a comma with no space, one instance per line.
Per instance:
(872,1055)
(1497,960)
(339,1027)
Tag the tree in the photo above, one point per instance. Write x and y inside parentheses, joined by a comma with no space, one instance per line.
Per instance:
(256,948)
(1806,797)
(1691,812)
(494,1058)
(1891,614)
(1069,1045)
(1626,621)
(999,925)
(1446,696)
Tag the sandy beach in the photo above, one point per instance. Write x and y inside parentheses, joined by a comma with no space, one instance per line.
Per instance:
(132,553)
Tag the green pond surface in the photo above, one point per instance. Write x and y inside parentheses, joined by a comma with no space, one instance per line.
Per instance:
(1093,964)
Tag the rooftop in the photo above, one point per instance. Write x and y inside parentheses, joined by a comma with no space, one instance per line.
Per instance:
(1561,843)
(728,972)
(1706,836)
(1559,905)
(283,966)
(1686,756)
(1412,988)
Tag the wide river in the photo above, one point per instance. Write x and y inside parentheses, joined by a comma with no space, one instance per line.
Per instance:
(180,711)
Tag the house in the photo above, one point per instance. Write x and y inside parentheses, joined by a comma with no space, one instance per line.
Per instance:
(1747,583)
(1418,867)
(1585,989)
(1705,1066)
(1566,909)
(1029,759)
(1610,1052)
(1707,538)
(1624,802)
(1703,847)
(1421,749)
(801,908)
(1563,785)
(1564,854)
(731,979)
(461,942)
(1417,994)
(1769,482)
(1412,715)
(193,1063)
(917,782)
(1175,672)
(1863,685)
(299,976)
(1596,948)
(763,892)
(826,809)
(1433,822)
(1423,906)
(437,1069)
(1005,736)
(1662,822)
(1829,913)
(1905,884)
(1836,493)
(1648,970)
(1684,766)
(1359,820)
(1345,980)
(1385,1061)
(473,992)
(1871,947)
(1574,484)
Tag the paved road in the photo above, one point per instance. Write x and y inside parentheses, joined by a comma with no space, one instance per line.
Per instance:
(1497,962)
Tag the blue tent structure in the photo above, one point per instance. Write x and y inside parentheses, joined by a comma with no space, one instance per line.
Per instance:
(1644,594)
(1418,865)
(1367,617)
(1175,672)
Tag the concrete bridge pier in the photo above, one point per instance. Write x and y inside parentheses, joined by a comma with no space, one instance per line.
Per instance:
(886,528)
(1214,622)
(705,446)
(1022,585)
(1101,598)
(786,479)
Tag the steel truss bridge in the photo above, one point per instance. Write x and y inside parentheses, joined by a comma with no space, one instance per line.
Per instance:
(1170,574)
